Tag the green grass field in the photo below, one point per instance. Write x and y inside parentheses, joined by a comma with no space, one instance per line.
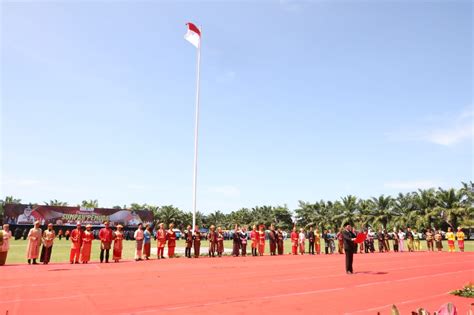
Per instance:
(17,252)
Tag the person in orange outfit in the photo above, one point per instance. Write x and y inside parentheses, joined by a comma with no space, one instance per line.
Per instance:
(188,237)
(76,244)
(261,239)
(197,242)
(106,237)
(460,236)
(161,239)
(254,239)
(212,238)
(87,238)
(294,241)
(317,241)
(171,236)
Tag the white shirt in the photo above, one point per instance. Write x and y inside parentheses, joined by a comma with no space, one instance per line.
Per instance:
(302,237)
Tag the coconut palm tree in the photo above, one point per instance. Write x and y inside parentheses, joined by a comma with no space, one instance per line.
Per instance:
(381,210)
(56,202)
(90,203)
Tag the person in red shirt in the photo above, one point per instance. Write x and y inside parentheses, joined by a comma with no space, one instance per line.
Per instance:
(280,241)
(106,236)
(87,238)
(76,243)
(294,241)
(189,241)
(161,239)
(171,236)
(261,239)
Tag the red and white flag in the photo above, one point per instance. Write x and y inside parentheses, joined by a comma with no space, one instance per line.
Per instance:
(193,35)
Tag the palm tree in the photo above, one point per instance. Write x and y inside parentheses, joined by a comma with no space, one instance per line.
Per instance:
(56,202)
(216,218)
(90,203)
(450,206)
(169,214)
(381,210)
(347,210)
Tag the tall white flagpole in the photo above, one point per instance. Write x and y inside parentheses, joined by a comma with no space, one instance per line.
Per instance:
(196,131)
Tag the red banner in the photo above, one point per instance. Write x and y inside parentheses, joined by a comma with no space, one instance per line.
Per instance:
(27,214)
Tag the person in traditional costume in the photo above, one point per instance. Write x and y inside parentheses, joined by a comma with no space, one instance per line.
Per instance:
(138,236)
(410,239)
(280,241)
(340,242)
(60,234)
(161,240)
(272,237)
(386,237)
(254,239)
(5,236)
(188,237)
(395,240)
(416,240)
(118,244)
(212,239)
(87,238)
(317,241)
(197,242)
(76,244)
(147,242)
(34,243)
(294,241)
(429,240)
(243,241)
(301,241)
(106,237)
(451,238)
(236,241)
(401,241)
(460,236)
(381,241)
(220,242)
(310,237)
(171,237)
(439,241)
(48,239)
(261,239)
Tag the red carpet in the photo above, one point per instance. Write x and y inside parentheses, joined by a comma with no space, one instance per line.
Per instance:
(278,285)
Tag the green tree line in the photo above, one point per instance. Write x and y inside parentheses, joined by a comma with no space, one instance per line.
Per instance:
(434,208)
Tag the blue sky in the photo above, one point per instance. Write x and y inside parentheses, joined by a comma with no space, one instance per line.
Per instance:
(299,100)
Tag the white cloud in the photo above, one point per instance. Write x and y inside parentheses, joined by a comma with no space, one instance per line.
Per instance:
(412,185)
(442,130)
(226,191)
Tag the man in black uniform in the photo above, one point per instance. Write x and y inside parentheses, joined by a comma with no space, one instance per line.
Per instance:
(310,238)
(349,247)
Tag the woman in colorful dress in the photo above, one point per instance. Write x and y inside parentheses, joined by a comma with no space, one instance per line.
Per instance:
(280,241)
(220,242)
(253,237)
(261,239)
(243,241)
(118,240)
(87,238)
(401,240)
(5,235)
(138,236)
(460,236)
(294,241)
(451,238)
(147,242)
(301,241)
(317,241)
(161,240)
(236,242)
(34,242)
(171,236)
(48,239)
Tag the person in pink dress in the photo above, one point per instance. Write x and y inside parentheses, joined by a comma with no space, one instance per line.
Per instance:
(76,244)
(5,236)
(34,242)
(294,241)
(118,239)
(87,238)
(301,241)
